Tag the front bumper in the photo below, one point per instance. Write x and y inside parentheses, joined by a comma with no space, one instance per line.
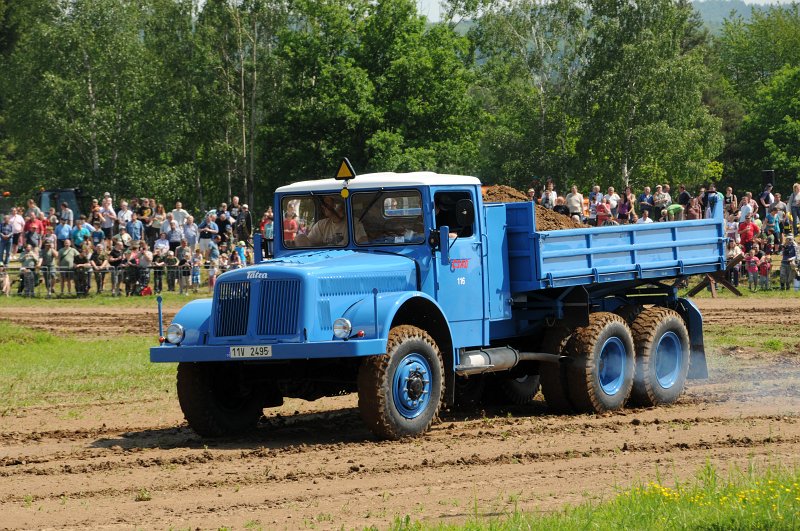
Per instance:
(280,351)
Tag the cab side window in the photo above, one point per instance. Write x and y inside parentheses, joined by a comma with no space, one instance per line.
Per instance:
(445,208)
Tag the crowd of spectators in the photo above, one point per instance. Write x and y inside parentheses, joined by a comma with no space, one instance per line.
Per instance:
(139,246)
(761,229)
(135,248)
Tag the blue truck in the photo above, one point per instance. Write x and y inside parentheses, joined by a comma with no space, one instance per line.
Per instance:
(412,291)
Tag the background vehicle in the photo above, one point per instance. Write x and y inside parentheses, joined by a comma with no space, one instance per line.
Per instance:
(427,291)
(74,197)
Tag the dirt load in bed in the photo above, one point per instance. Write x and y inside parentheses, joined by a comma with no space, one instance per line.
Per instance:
(546,219)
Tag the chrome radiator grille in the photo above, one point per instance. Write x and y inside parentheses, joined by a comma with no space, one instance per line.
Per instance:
(233,309)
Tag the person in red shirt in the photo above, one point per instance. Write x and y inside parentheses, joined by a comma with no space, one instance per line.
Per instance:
(603,212)
(748,232)
(33,231)
(290,227)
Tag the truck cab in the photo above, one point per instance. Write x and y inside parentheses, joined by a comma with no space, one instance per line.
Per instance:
(408,289)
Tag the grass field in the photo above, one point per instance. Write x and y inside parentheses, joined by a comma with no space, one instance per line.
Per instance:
(744,499)
(38,368)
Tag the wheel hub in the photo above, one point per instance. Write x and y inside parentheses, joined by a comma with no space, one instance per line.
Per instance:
(415,386)
(412,385)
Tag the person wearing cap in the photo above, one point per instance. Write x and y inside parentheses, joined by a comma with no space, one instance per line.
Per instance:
(789,260)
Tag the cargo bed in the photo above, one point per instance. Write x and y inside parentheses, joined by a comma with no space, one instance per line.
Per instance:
(573,257)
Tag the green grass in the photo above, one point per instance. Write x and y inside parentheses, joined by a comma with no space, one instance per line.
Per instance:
(171,300)
(38,368)
(768,338)
(751,499)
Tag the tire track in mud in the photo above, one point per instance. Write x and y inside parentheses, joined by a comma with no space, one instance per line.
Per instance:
(474,460)
(182,438)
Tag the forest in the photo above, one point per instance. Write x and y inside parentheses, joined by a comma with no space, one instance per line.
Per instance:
(200,100)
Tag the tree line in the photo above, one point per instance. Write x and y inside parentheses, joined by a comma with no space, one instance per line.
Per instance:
(198,101)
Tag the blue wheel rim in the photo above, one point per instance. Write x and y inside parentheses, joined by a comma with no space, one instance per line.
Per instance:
(411,385)
(611,369)
(669,357)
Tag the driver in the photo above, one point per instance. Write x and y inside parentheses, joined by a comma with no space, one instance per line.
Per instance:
(332,229)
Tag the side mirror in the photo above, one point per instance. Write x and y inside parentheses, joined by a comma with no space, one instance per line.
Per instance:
(465,213)
(444,250)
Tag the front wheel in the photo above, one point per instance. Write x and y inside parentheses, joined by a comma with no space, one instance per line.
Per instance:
(217,400)
(400,392)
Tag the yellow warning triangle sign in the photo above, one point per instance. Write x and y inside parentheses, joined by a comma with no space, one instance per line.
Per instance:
(345,170)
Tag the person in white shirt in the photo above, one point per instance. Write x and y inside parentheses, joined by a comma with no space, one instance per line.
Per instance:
(109,217)
(124,215)
(179,214)
(613,199)
(645,217)
(162,245)
(575,202)
(549,196)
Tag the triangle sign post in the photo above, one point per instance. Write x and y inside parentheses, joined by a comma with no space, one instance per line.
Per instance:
(345,171)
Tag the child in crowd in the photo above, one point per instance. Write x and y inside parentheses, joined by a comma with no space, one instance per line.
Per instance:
(751,266)
(197,263)
(185,271)
(764,269)
(5,282)
(212,273)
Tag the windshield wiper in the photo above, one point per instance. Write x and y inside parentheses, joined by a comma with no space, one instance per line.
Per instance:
(372,202)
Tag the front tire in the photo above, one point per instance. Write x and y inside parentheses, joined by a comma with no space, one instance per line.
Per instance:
(662,357)
(216,399)
(601,374)
(400,392)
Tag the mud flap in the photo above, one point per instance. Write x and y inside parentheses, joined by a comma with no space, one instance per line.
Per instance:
(698,369)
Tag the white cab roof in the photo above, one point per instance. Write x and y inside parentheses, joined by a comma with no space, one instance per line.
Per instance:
(378,180)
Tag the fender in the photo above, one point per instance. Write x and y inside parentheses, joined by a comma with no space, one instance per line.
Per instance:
(698,369)
(194,318)
(362,314)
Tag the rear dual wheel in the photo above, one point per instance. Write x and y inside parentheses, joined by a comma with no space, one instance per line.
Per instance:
(600,373)
(662,357)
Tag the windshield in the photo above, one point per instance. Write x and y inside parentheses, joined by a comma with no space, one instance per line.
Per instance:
(316,221)
(379,218)
(389,217)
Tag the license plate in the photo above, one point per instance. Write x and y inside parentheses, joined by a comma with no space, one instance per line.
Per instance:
(250,351)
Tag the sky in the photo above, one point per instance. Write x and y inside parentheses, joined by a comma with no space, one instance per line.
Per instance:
(430,8)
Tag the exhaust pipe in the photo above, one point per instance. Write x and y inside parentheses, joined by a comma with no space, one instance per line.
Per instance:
(498,359)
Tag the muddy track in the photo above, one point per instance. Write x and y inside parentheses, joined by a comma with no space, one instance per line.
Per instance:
(315,463)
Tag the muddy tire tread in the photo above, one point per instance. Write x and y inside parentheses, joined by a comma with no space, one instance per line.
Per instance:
(372,398)
(643,329)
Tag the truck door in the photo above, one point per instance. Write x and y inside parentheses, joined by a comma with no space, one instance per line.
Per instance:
(459,286)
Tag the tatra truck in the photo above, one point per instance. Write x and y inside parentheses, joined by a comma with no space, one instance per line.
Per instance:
(410,290)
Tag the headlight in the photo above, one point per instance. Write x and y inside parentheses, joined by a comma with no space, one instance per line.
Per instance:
(342,328)
(175,333)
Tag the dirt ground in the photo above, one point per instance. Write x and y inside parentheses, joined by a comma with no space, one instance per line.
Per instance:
(313,464)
